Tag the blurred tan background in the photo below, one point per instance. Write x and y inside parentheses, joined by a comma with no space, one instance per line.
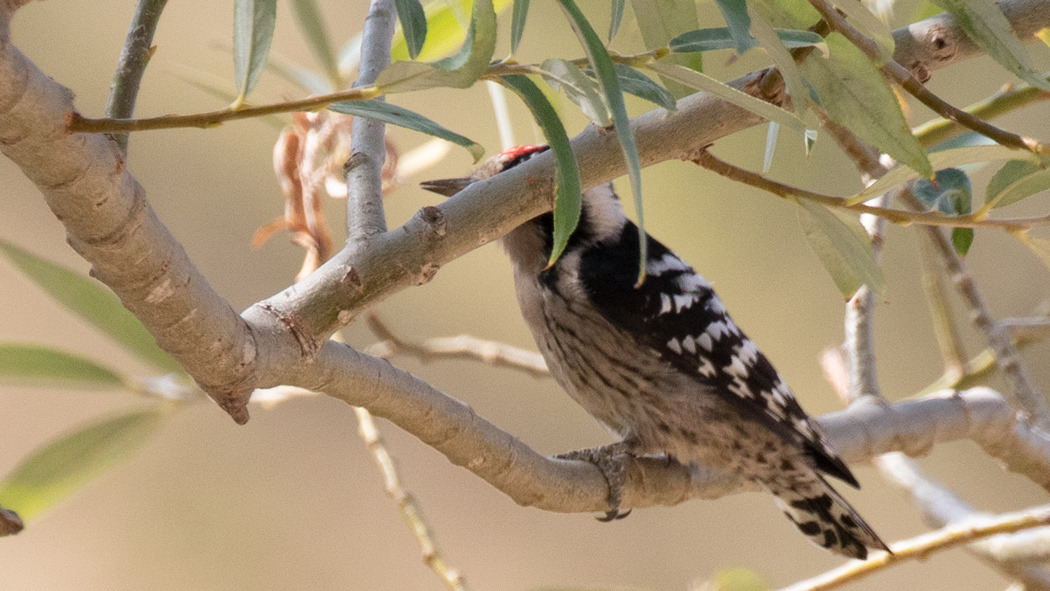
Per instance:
(293,501)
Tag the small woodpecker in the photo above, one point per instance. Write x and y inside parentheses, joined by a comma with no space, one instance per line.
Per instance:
(664,367)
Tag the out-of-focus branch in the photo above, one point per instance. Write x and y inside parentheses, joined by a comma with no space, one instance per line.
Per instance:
(134,58)
(926,218)
(1027,392)
(406,503)
(1016,555)
(459,347)
(921,547)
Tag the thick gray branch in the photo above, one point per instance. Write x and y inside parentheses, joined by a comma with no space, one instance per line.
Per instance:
(283,340)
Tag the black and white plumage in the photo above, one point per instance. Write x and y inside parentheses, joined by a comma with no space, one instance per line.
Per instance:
(664,367)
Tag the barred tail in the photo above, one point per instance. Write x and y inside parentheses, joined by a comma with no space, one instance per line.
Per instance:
(827,519)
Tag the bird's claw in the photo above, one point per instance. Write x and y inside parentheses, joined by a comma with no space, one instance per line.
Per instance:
(611,461)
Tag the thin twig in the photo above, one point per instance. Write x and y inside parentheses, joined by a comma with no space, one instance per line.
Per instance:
(1011,554)
(921,547)
(406,503)
(459,347)
(79,123)
(711,162)
(134,58)
(901,75)
(1003,101)
(1027,392)
(364,186)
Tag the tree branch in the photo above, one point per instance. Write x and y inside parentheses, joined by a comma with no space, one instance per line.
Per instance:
(921,547)
(134,58)
(999,340)
(1013,554)
(460,347)
(283,340)
(364,186)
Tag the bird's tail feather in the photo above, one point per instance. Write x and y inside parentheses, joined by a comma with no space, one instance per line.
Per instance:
(827,519)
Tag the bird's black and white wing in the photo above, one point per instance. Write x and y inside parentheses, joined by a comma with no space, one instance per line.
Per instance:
(675,312)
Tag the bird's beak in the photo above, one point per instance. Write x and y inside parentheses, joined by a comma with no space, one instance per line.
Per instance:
(447,187)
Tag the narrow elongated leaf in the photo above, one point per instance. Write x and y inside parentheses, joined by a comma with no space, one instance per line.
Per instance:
(985,23)
(34,365)
(413,24)
(92,302)
(253,24)
(778,51)
(951,195)
(871,25)
(68,463)
(311,25)
(738,22)
(661,20)
(954,157)
(728,93)
(395,115)
(580,88)
(855,95)
(1039,246)
(634,82)
(517,23)
(459,70)
(445,32)
(771,145)
(567,173)
(610,83)
(1016,180)
(722,38)
(616,17)
(842,246)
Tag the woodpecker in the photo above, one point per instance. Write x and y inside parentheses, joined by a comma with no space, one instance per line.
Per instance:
(664,367)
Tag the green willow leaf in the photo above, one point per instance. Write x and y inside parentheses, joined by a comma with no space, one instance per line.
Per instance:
(661,20)
(311,25)
(778,51)
(954,157)
(855,95)
(842,246)
(610,83)
(581,89)
(616,17)
(984,22)
(1016,180)
(738,21)
(722,38)
(92,302)
(634,82)
(517,23)
(395,115)
(35,365)
(253,24)
(728,93)
(951,195)
(413,24)
(567,173)
(459,70)
(871,25)
(1039,246)
(68,463)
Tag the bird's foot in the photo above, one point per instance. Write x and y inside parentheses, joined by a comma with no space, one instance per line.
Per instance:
(612,461)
